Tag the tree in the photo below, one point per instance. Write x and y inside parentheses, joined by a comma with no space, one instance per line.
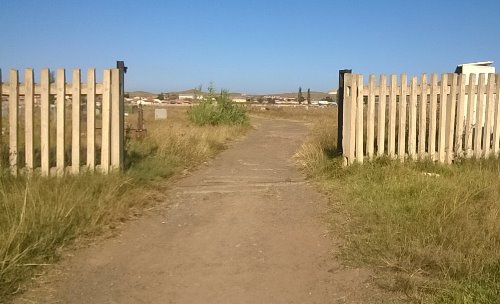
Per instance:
(161,96)
(308,96)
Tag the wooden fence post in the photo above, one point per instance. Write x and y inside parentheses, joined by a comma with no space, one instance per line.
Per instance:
(352,108)
(340,107)
(91,90)
(45,122)
(106,122)
(381,116)
(13,117)
(123,69)
(75,120)
(29,101)
(61,118)
(116,121)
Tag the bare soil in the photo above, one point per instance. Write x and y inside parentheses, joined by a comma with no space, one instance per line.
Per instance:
(245,228)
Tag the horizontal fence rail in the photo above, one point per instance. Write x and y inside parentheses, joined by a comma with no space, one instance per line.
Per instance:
(32,114)
(438,118)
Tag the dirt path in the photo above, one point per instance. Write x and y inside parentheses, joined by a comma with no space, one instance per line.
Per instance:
(246,228)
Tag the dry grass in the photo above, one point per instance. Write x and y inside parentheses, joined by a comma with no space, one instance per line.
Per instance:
(435,238)
(39,216)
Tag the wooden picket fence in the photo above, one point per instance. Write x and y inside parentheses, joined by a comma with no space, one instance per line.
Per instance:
(103,132)
(441,120)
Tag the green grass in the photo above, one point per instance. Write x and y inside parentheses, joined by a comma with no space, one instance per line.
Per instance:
(41,216)
(433,237)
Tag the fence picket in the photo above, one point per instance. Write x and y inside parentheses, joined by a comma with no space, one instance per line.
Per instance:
(412,130)
(479,117)
(459,128)
(443,98)
(370,117)
(450,120)
(13,117)
(402,118)
(1,117)
(381,116)
(60,120)
(29,101)
(391,145)
(433,116)
(490,86)
(106,122)
(496,126)
(91,91)
(45,122)
(359,121)
(469,126)
(352,118)
(75,121)
(422,125)
(116,141)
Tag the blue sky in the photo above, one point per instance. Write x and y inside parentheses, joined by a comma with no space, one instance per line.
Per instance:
(253,46)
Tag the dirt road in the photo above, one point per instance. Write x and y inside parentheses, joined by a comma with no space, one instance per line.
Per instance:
(246,228)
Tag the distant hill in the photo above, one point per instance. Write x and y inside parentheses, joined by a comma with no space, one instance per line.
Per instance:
(141,94)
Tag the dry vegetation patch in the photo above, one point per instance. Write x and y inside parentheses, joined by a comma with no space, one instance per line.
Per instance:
(39,216)
(431,231)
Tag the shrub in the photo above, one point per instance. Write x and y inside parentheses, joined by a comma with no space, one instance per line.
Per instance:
(219,110)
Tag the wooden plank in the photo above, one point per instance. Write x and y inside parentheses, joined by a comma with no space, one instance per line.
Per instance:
(29,101)
(13,120)
(459,128)
(450,120)
(391,145)
(402,117)
(60,120)
(370,118)
(91,92)
(381,116)
(116,142)
(433,116)
(345,120)
(478,153)
(443,99)
(106,122)
(359,121)
(496,125)
(469,125)
(2,87)
(412,128)
(490,108)
(75,121)
(45,122)
(352,118)
(422,123)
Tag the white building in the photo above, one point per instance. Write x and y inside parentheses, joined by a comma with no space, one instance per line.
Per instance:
(483,67)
